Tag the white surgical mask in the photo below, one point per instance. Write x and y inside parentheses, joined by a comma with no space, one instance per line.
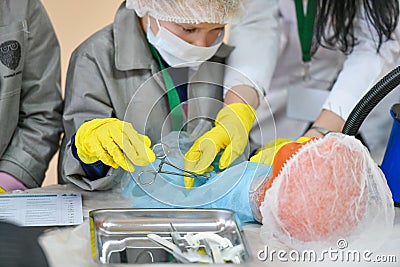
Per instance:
(177,52)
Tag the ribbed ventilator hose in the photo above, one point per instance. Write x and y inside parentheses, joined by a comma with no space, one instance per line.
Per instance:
(370,100)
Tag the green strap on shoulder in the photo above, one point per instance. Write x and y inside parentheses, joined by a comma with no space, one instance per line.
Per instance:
(305,26)
(173,97)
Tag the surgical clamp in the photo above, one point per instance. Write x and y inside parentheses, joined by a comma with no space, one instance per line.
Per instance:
(161,151)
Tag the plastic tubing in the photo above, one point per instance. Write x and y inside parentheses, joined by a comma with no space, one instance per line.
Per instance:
(370,100)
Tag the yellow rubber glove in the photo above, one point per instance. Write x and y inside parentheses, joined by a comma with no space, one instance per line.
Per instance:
(231,131)
(114,142)
(267,154)
(2,190)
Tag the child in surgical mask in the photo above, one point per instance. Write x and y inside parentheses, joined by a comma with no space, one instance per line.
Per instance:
(158,68)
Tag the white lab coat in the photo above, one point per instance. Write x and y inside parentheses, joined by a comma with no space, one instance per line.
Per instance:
(347,77)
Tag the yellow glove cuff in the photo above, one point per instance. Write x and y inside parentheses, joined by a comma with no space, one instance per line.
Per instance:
(245,113)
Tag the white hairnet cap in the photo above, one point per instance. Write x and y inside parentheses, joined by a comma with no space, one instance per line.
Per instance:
(190,11)
(328,193)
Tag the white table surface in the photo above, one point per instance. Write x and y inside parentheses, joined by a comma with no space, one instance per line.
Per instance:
(70,246)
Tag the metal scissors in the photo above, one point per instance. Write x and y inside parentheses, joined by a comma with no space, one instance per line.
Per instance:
(161,151)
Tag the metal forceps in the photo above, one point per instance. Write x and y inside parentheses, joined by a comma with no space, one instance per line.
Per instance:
(161,151)
(177,239)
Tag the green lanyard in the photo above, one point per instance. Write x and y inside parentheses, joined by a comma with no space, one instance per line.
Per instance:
(305,26)
(173,97)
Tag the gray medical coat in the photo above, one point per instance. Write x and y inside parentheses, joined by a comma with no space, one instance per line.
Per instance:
(113,74)
(30,97)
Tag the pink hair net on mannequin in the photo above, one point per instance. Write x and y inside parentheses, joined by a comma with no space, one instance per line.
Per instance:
(327,190)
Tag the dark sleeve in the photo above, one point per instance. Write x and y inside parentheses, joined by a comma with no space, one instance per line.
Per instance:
(93,171)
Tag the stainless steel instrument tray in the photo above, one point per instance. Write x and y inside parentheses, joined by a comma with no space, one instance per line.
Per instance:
(120,235)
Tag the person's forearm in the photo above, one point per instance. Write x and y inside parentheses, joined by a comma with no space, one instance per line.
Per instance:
(327,120)
(242,94)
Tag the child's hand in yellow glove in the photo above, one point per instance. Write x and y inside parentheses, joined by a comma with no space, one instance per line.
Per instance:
(231,132)
(267,153)
(114,142)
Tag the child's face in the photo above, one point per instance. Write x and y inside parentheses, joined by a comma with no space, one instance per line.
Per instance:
(202,34)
